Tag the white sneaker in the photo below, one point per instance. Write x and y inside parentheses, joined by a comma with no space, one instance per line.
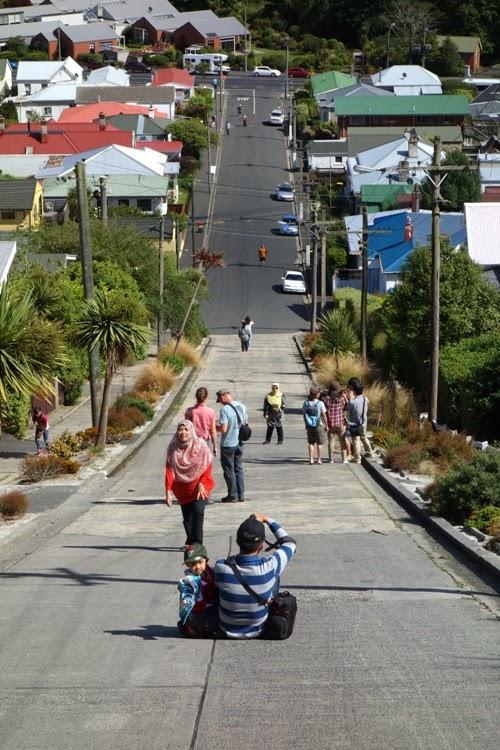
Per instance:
(345,461)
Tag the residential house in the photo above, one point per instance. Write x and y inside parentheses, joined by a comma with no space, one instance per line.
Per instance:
(489,172)
(486,105)
(407,80)
(163,99)
(124,13)
(180,80)
(147,129)
(482,221)
(399,161)
(144,192)
(21,204)
(32,76)
(24,148)
(469,49)
(326,100)
(171,149)
(112,160)
(404,111)
(38,13)
(327,155)
(5,78)
(48,103)
(362,139)
(91,112)
(392,237)
(390,197)
(222,33)
(8,249)
(40,35)
(88,38)
(107,76)
(159,28)
(324,84)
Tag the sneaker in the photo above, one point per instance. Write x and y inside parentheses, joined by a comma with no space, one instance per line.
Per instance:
(345,461)
(358,461)
(241,499)
(228,499)
(332,461)
(266,442)
(280,442)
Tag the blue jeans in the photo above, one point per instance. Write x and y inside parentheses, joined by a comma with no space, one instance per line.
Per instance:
(231,459)
(38,436)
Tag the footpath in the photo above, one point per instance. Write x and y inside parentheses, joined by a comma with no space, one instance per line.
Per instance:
(395,643)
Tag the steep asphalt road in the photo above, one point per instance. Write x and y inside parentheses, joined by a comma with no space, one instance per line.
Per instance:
(252,162)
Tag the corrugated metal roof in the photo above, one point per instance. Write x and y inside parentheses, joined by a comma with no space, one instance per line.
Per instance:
(17,194)
(89,32)
(28,30)
(117,186)
(483,232)
(327,147)
(8,251)
(71,142)
(126,94)
(140,124)
(107,75)
(405,75)
(331,80)
(430,104)
(466,45)
(90,112)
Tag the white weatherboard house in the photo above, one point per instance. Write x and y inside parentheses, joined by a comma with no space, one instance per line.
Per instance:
(48,103)
(407,80)
(111,160)
(482,221)
(33,76)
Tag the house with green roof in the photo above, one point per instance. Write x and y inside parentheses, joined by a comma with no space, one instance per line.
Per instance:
(322,83)
(469,49)
(406,111)
(387,197)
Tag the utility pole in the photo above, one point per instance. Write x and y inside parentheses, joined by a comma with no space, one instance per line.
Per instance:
(177,247)
(364,281)
(286,72)
(435,280)
(209,157)
(221,86)
(161,251)
(314,275)
(323,265)
(193,228)
(88,282)
(104,200)
(245,25)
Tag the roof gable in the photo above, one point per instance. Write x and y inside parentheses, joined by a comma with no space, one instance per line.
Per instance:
(17,194)
(88,32)
(174,76)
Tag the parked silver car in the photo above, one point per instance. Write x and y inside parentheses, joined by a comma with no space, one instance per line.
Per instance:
(284,192)
(265,70)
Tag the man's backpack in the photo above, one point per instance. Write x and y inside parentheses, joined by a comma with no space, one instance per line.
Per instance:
(311,414)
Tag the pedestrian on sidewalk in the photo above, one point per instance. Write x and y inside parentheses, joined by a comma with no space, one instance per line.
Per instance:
(188,477)
(228,127)
(335,402)
(203,419)
(243,336)
(357,419)
(248,328)
(273,412)
(240,615)
(41,422)
(232,415)
(314,413)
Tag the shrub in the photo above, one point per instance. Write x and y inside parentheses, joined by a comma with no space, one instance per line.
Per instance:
(175,362)
(14,414)
(337,335)
(308,342)
(468,488)
(387,439)
(486,518)
(185,351)
(439,452)
(155,377)
(38,468)
(113,435)
(66,445)
(390,405)
(13,503)
(121,419)
(135,415)
(131,399)
(342,368)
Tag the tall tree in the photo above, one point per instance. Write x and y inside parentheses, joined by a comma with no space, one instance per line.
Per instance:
(110,324)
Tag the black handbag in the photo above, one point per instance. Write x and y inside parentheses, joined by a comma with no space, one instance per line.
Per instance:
(282,609)
(245,431)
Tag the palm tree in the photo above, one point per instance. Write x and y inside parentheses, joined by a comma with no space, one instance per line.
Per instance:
(337,336)
(23,368)
(108,323)
(205,260)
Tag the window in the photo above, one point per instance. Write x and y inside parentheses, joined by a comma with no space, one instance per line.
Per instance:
(144,204)
(123,202)
(47,111)
(91,47)
(8,215)
(27,89)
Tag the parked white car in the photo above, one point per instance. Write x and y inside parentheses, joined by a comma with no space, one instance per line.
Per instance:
(276,117)
(265,70)
(293,281)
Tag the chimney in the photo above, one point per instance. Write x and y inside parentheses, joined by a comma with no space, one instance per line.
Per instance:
(28,123)
(102,121)
(404,171)
(415,200)
(43,131)
(2,126)
(406,133)
(151,111)
(413,144)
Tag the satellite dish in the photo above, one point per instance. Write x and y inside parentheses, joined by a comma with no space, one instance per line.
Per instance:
(409,181)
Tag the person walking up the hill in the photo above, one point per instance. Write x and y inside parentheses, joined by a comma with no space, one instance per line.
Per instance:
(314,413)
(335,402)
(203,419)
(232,415)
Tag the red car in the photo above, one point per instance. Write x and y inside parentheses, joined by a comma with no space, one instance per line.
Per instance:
(298,73)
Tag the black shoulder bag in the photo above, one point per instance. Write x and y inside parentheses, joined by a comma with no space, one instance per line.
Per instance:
(245,431)
(282,609)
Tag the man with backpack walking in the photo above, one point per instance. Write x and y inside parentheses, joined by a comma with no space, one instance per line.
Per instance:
(314,413)
(357,419)
(244,336)
(233,415)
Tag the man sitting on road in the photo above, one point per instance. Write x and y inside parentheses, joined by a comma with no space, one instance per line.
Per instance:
(240,615)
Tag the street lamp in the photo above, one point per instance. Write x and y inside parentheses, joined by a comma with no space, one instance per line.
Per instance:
(388,57)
